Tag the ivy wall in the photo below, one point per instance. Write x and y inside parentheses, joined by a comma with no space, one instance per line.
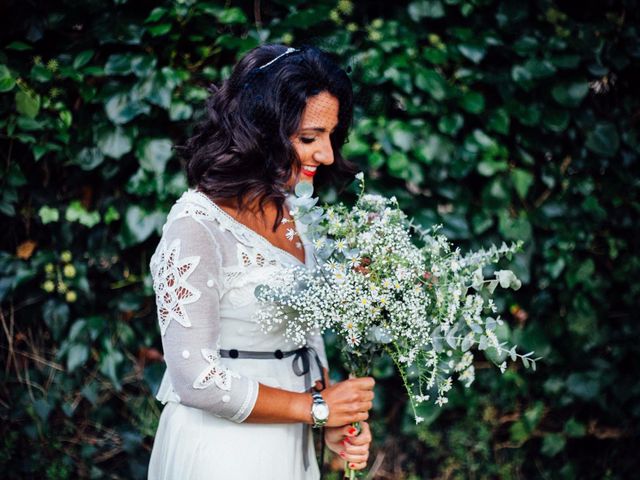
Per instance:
(502,120)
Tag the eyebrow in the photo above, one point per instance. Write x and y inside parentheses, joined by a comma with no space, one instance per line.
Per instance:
(318,129)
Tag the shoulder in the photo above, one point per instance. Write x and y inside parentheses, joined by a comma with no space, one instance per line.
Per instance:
(191,226)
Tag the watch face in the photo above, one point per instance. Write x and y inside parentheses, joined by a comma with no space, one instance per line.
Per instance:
(321,411)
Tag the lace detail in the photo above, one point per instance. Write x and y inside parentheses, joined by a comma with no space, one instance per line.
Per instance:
(241,279)
(215,372)
(226,222)
(173,292)
(247,400)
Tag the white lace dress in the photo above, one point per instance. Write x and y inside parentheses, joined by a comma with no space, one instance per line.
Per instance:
(205,270)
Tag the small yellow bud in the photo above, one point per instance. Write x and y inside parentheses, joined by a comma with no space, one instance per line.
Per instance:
(352,27)
(66,256)
(48,268)
(71,296)
(48,286)
(377,23)
(69,271)
(62,287)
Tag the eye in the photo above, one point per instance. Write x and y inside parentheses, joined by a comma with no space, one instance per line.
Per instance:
(307,140)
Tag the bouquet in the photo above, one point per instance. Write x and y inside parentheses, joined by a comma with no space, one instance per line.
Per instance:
(387,286)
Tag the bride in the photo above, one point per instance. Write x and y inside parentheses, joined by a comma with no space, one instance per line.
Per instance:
(240,403)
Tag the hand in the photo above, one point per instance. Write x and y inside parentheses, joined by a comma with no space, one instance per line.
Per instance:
(351,447)
(349,401)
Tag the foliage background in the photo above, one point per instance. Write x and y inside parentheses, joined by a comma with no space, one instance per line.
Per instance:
(500,119)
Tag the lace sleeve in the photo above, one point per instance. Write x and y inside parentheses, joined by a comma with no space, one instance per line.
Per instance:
(186,271)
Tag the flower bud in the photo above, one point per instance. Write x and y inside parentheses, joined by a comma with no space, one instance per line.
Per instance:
(48,286)
(66,256)
(69,271)
(62,287)
(71,296)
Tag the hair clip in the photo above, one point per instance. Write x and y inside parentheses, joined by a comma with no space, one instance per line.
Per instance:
(287,51)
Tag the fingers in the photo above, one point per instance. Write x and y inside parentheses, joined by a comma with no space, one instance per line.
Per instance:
(363,439)
(357,466)
(363,383)
(356,447)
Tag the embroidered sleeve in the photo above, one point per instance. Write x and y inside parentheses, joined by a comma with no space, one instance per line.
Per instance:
(186,280)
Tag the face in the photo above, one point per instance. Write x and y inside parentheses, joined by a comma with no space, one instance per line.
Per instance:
(312,141)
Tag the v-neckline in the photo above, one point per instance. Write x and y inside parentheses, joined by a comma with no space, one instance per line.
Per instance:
(251,231)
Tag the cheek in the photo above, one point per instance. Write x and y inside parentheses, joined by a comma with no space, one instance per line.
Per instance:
(301,150)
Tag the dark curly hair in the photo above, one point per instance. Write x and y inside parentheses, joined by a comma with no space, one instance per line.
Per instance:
(241,150)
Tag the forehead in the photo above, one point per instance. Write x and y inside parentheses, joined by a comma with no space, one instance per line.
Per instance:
(321,111)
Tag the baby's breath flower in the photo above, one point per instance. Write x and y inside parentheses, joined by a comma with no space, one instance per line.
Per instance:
(373,282)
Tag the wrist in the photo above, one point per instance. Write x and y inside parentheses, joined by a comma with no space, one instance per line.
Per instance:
(303,410)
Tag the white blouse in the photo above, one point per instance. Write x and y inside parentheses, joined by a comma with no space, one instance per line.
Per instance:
(205,270)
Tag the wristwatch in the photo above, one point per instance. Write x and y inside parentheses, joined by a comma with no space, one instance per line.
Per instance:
(319,410)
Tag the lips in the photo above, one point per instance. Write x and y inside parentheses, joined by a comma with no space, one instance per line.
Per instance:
(308,170)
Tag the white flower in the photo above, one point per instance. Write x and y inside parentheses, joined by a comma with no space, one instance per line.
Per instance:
(340,245)
(503,367)
(419,420)
(319,242)
(360,176)
(441,400)
(290,234)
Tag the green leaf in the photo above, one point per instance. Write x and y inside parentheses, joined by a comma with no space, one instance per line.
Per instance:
(19,46)
(603,139)
(450,124)
(499,121)
(517,228)
(140,224)
(121,108)
(77,213)
(555,119)
(27,104)
(304,189)
(232,15)
(48,214)
(180,111)
(56,316)
(156,14)
(154,154)
(575,429)
(82,59)
(7,82)
(552,444)
(425,9)
(474,52)
(111,215)
(114,143)
(77,355)
(472,102)
(432,82)
(118,64)
(401,136)
(89,158)
(570,94)
(522,181)
(398,163)
(159,30)
(489,167)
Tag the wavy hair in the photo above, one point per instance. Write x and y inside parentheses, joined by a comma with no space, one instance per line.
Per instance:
(241,150)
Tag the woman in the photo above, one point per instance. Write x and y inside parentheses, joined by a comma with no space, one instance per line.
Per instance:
(238,402)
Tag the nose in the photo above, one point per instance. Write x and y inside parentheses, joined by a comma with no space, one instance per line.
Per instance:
(324,154)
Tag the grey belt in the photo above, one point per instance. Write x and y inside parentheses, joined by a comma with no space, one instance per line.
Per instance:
(301,366)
